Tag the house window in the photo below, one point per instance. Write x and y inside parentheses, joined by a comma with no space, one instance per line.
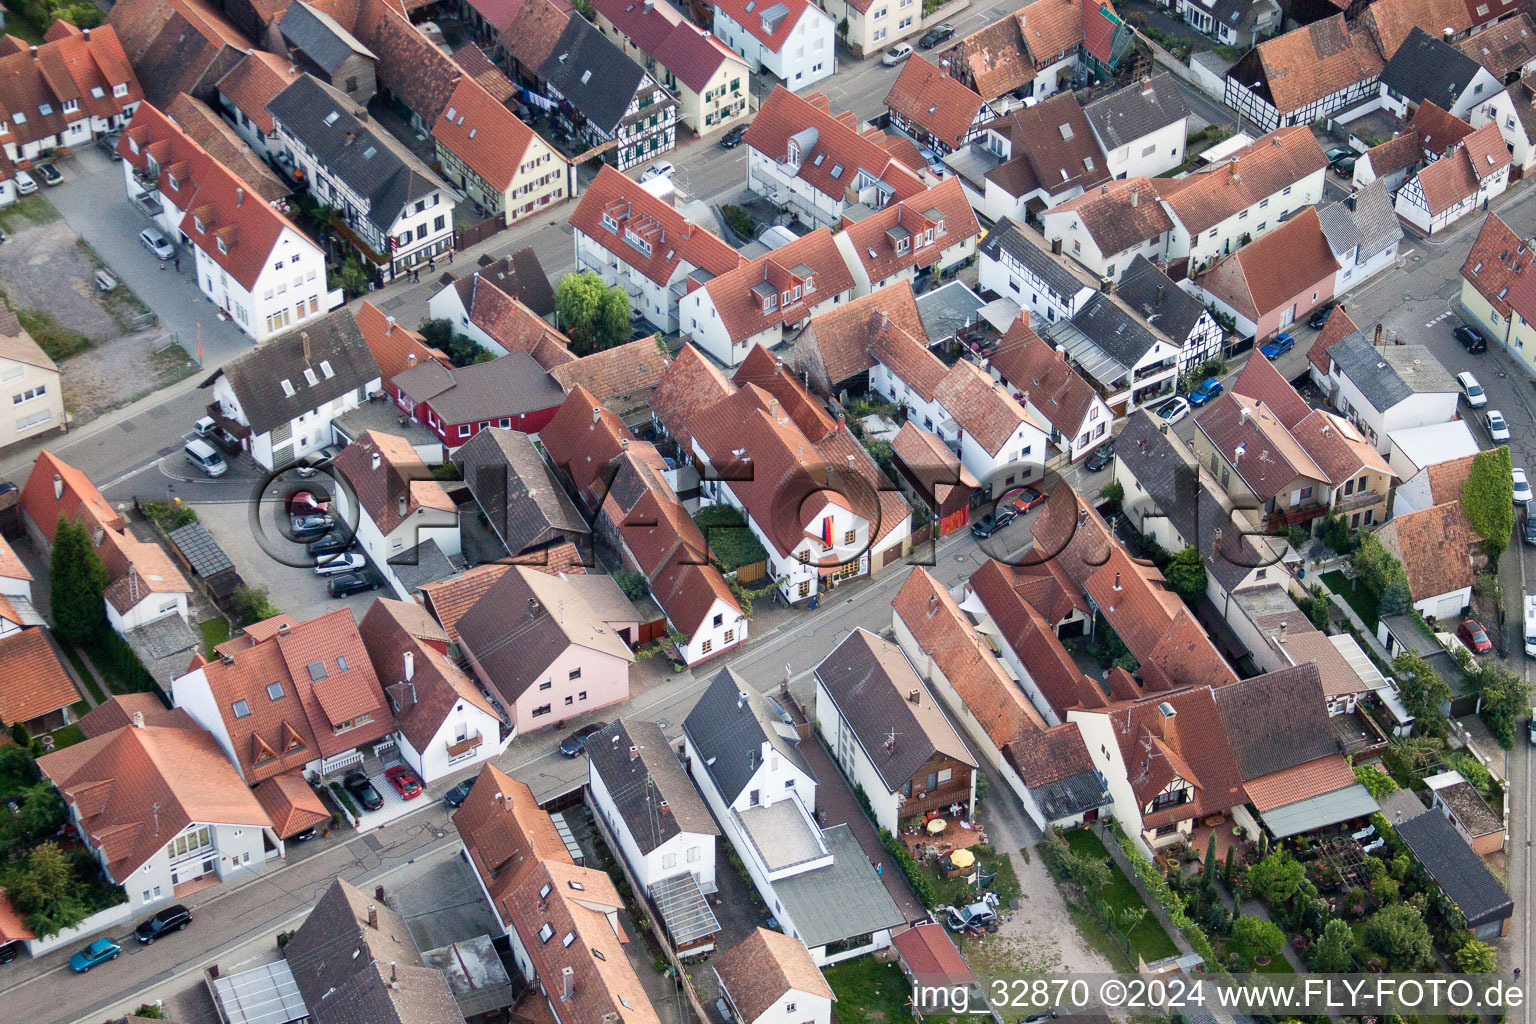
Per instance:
(546,684)
(275,690)
(849,537)
(353,723)
(242,709)
(575,674)
(719,619)
(707,647)
(730,637)
(805,589)
(547,932)
(541,711)
(464,430)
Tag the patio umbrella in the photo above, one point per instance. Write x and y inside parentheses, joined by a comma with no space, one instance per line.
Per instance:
(936,826)
(962,858)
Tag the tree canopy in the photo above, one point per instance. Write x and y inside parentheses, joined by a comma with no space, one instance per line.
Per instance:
(1276,878)
(593,315)
(1503,698)
(1398,934)
(78,580)
(1422,691)
(1487,499)
(1186,574)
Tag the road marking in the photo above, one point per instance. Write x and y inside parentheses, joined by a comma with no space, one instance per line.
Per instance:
(1437,319)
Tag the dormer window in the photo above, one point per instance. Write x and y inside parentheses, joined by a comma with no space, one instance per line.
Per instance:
(197,222)
(70,106)
(224,249)
(786,298)
(797,293)
(176,187)
(901,245)
(770,303)
(120,90)
(810,285)
(287,386)
(610,224)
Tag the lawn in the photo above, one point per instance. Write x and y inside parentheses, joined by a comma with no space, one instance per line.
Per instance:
(1357,597)
(215,631)
(731,542)
(873,992)
(68,736)
(27,210)
(1148,940)
(956,891)
(84,673)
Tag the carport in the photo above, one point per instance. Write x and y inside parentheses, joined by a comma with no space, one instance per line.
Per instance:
(264,995)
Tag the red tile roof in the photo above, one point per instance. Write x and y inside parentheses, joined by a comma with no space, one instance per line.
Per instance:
(1391,21)
(1438,129)
(763,968)
(393,345)
(1434,548)
(930,460)
(1044,378)
(1339,325)
(768,372)
(943,209)
(213,133)
(622,376)
(65,67)
(474,62)
(32,682)
(676,243)
(410,66)
(1053,148)
(838,340)
(118,711)
(909,359)
(741,311)
(1398,153)
(1498,260)
(993,60)
(1316,60)
(1010,595)
(534,30)
(1263,382)
(1192,744)
(584,437)
(931,957)
(1308,779)
(396,486)
(1052,27)
(1116,219)
(77,499)
(291,804)
(1271,271)
(1262,452)
(1271,164)
(750,17)
(254,82)
(677,44)
(929,98)
(487,136)
(691,385)
(1505,48)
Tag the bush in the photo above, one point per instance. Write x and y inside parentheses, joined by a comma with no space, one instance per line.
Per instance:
(632,583)
(169,515)
(1399,935)
(739,221)
(731,542)
(250,604)
(1256,937)
(344,798)
(922,885)
(1376,781)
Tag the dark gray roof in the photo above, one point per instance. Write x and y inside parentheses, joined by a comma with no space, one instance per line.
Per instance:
(1116,332)
(1169,473)
(1456,868)
(507,386)
(728,731)
(202,552)
(425,563)
(650,789)
(519,274)
(1152,293)
(1136,111)
(1277,720)
(1375,371)
(517,490)
(1013,239)
(844,899)
(1374,220)
(1070,796)
(372,163)
(592,73)
(1426,68)
(320,36)
(258,376)
(947,309)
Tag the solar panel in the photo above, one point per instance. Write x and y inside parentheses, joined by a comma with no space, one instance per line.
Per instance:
(200,550)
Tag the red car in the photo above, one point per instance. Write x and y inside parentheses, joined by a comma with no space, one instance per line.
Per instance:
(307,503)
(1026,499)
(1474,636)
(405,782)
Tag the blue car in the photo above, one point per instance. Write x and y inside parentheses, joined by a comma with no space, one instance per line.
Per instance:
(98,952)
(1278,346)
(1205,391)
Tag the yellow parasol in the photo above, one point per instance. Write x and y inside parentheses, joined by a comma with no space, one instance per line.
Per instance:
(936,826)
(962,858)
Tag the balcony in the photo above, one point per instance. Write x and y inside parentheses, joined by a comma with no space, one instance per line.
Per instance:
(1276,521)
(1359,500)
(464,746)
(1155,369)
(956,791)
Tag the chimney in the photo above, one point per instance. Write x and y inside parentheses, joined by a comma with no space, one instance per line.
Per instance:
(1159,296)
(773,408)
(1237,454)
(392,976)
(34,53)
(1377,342)
(1103,190)
(912,696)
(634,752)
(1349,202)
(1234,168)
(1242,415)
(378,893)
(304,337)
(1216,543)
(373,915)
(1117,581)
(58,487)
(567,983)
(391,330)
(85,34)
(410,359)
(597,414)
(534,607)
(377,460)
(663,807)
(282,627)
(850,463)
(138,719)
(1135,195)
(239,197)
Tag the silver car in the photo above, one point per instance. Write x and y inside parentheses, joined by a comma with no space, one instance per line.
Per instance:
(156,243)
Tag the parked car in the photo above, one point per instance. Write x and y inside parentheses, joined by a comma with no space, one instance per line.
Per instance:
(1530,728)
(50,174)
(1528,528)
(659,169)
(576,742)
(202,455)
(1498,426)
(1321,315)
(1278,346)
(349,583)
(977,915)
(456,796)
(1205,391)
(330,544)
(1522,486)
(1004,515)
(304,836)
(982,528)
(1471,390)
(24,183)
(108,144)
(1474,636)
(156,243)
(1100,457)
(732,138)
(896,54)
(1026,499)
(936,35)
(308,503)
(1344,168)
(336,565)
(311,463)
(310,527)
(171,919)
(405,781)
(1471,338)
(357,784)
(1336,153)
(98,952)
(10,951)
(1173,410)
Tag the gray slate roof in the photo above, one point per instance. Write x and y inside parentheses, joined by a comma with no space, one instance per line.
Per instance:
(1426,68)
(839,901)
(1372,224)
(1277,720)
(1009,237)
(1177,311)
(507,386)
(1136,111)
(320,36)
(371,163)
(947,309)
(257,377)
(641,786)
(1376,371)
(728,733)
(592,73)
(517,490)
(519,274)
(1116,333)
(1071,796)
(1456,868)
(425,563)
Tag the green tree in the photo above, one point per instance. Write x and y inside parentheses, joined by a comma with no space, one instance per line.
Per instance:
(1398,934)
(585,9)
(1229,867)
(1376,782)
(1186,574)
(1276,878)
(1113,491)
(593,315)
(1476,957)
(1212,865)
(1376,568)
(882,452)
(632,583)
(1257,937)
(460,349)
(1502,697)
(45,891)
(250,604)
(19,735)
(1396,600)
(42,809)
(1330,954)
(1487,499)
(1422,691)
(78,582)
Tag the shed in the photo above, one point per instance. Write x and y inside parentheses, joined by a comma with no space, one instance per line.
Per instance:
(1460,872)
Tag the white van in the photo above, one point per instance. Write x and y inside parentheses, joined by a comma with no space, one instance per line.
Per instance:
(1530,625)
(202,455)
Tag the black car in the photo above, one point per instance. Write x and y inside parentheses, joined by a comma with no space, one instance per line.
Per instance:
(576,742)
(732,138)
(1471,338)
(171,919)
(310,527)
(305,836)
(458,794)
(362,790)
(936,35)
(1319,317)
(351,583)
(982,528)
(1528,529)
(330,544)
(1100,457)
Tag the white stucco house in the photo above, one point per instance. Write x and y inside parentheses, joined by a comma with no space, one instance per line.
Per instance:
(1385,389)
(793,40)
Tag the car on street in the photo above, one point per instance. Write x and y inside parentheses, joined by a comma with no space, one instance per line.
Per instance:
(1530,728)
(896,54)
(1528,528)
(1026,499)
(336,565)
(98,952)
(171,919)
(1471,633)
(1004,515)
(732,138)
(405,781)
(1321,315)
(659,169)
(1498,426)
(349,583)
(1471,390)
(576,742)
(982,528)
(456,796)
(1173,410)
(310,527)
(357,784)
(1471,338)
(330,544)
(308,503)
(25,183)
(936,35)
(1522,486)
(1205,391)
(1100,457)
(50,174)
(156,243)
(1278,346)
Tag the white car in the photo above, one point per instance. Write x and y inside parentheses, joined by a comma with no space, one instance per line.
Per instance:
(896,54)
(660,169)
(1522,486)
(1498,427)
(1173,410)
(348,561)
(24,183)
(156,243)
(1471,390)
